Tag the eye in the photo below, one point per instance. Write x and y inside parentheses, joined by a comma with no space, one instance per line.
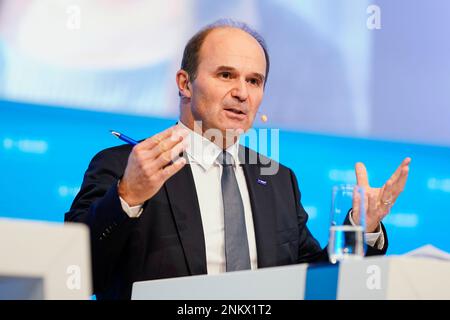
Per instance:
(254,81)
(225,75)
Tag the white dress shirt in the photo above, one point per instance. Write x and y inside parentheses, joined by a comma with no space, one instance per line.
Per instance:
(207,172)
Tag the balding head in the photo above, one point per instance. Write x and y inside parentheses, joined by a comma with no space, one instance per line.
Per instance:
(191,54)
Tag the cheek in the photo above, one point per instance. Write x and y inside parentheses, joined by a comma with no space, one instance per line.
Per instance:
(200,101)
(207,107)
(256,102)
(208,96)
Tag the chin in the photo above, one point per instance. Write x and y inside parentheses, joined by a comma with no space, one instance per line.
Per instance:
(235,126)
(228,123)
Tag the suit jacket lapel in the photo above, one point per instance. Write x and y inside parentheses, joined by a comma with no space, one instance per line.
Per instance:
(184,203)
(263,209)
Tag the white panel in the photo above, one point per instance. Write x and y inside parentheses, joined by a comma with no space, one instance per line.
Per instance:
(55,253)
(286,283)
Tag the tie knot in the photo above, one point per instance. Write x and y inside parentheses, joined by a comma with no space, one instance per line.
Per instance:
(225,158)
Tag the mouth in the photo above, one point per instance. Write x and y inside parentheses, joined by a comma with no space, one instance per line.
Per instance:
(235,111)
(235,114)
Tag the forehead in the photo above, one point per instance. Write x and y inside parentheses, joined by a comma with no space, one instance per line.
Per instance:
(234,48)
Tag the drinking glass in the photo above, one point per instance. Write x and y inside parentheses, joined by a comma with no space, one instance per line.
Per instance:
(346,239)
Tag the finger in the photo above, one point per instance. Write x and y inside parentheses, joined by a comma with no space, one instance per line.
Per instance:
(168,156)
(361,175)
(386,194)
(372,218)
(145,155)
(154,140)
(356,213)
(171,169)
(165,145)
(396,186)
(372,202)
(178,134)
(170,142)
(365,204)
(387,197)
(142,156)
(399,185)
(398,171)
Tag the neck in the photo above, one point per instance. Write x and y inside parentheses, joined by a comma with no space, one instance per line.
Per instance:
(222,138)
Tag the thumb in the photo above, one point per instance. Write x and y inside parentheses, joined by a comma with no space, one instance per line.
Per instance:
(356,208)
(361,175)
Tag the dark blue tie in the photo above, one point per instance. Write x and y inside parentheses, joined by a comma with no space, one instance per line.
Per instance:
(236,243)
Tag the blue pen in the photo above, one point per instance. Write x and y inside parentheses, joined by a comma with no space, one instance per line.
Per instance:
(124,138)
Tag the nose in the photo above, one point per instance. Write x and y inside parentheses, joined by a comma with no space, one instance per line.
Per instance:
(240,90)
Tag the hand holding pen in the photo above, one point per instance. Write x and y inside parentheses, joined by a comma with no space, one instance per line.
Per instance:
(151,163)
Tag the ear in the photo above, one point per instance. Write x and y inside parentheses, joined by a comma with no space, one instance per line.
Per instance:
(184,86)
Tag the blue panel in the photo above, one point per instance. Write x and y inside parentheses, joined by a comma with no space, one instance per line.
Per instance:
(321,282)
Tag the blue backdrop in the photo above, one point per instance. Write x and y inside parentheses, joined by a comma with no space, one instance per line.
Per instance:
(44,152)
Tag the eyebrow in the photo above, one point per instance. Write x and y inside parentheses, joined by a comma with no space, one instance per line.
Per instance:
(228,68)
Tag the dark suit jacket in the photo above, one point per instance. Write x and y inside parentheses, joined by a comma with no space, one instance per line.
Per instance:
(167,239)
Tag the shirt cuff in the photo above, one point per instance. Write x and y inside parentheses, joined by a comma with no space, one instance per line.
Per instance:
(132,212)
(373,239)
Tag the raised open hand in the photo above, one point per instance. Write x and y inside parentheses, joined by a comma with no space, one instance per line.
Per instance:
(379,200)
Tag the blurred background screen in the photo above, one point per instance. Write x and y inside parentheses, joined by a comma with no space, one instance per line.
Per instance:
(339,90)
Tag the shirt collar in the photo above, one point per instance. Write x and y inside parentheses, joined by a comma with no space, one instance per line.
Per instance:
(204,152)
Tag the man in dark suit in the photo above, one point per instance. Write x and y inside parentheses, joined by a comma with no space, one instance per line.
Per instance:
(152,216)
